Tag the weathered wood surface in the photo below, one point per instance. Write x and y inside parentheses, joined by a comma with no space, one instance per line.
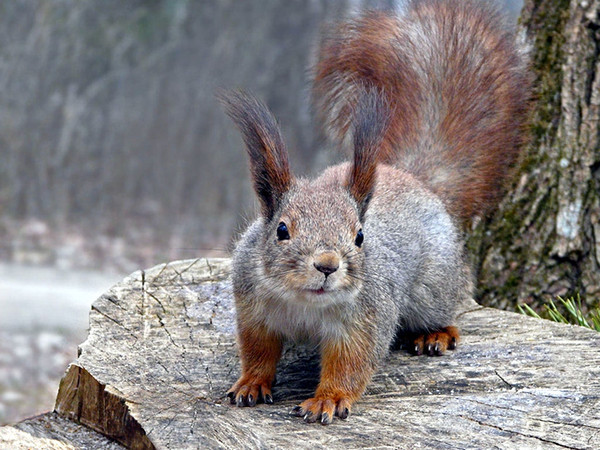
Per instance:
(161,354)
(52,432)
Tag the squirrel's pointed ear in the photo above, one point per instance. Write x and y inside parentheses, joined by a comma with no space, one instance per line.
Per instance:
(370,123)
(269,165)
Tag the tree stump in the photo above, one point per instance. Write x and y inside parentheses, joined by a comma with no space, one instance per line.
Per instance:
(161,353)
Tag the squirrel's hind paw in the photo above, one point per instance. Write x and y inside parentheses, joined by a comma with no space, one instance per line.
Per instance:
(436,343)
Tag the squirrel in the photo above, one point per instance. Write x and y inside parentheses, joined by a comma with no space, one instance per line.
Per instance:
(432,103)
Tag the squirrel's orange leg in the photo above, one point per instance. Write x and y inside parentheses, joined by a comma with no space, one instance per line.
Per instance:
(260,350)
(346,368)
(436,343)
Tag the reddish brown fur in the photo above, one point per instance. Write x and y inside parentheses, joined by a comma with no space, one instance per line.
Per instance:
(476,79)
(260,350)
(360,50)
(346,368)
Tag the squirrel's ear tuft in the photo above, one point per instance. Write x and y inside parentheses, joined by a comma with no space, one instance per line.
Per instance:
(269,165)
(370,123)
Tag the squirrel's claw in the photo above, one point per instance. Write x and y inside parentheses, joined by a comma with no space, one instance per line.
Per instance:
(436,343)
(322,409)
(249,394)
(241,401)
(231,396)
(343,413)
(326,418)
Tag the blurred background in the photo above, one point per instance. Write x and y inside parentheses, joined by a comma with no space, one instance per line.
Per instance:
(114,154)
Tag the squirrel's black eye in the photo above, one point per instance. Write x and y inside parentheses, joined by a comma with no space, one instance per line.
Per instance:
(359,238)
(282,232)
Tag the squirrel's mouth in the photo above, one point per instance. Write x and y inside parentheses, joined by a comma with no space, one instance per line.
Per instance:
(319,291)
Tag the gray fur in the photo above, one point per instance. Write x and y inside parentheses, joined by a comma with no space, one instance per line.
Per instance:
(410,275)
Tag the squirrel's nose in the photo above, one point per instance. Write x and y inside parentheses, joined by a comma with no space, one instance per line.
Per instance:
(327,263)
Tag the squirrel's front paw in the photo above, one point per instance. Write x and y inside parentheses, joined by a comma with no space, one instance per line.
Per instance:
(249,390)
(436,343)
(322,409)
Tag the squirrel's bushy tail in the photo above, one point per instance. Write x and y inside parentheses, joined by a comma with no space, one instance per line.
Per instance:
(458,87)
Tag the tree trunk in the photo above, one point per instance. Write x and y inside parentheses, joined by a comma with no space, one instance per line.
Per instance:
(544,240)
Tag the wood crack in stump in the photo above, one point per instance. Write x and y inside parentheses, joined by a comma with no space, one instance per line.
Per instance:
(156,300)
(512,386)
(160,272)
(524,411)
(179,274)
(166,330)
(531,436)
(209,267)
(94,308)
(111,299)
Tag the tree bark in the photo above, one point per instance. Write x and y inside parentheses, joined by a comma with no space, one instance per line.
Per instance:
(544,240)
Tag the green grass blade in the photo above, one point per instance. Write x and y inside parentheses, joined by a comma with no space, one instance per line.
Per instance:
(574,313)
(574,309)
(555,314)
(527,311)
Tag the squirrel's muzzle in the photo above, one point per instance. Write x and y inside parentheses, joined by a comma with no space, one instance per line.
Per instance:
(327,262)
